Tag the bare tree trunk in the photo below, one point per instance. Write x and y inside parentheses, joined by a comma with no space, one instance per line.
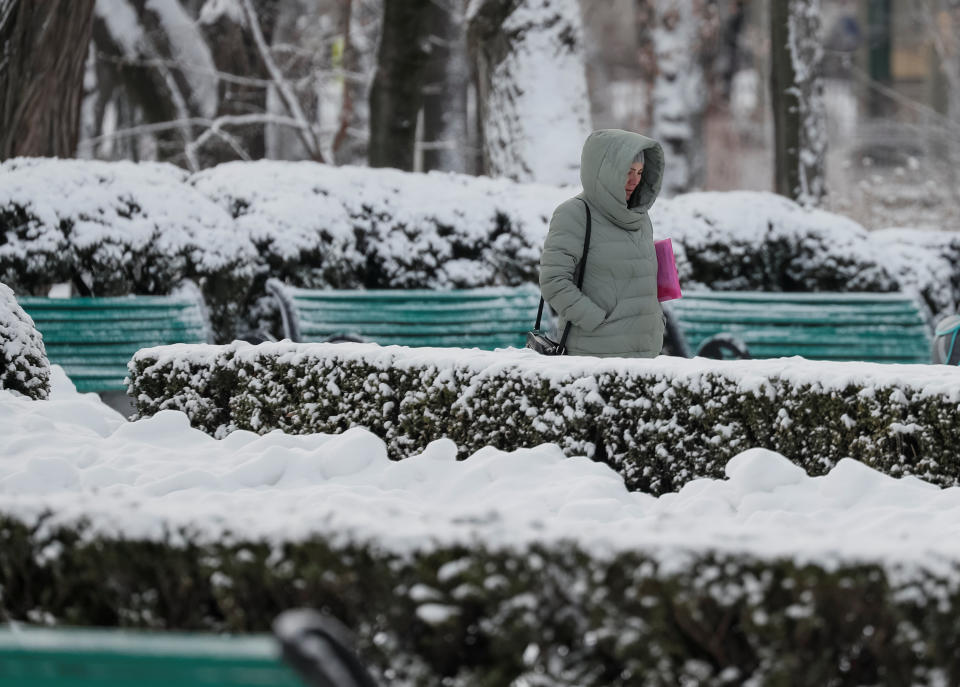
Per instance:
(43,47)
(445,90)
(347,58)
(645,21)
(797,93)
(397,92)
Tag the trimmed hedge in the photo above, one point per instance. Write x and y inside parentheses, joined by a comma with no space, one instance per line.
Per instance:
(24,366)
(486,617)
(660,423)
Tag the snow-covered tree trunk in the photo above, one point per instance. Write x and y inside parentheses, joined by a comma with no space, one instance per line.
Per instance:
(679,94)
(796,89)
(396,95)
(531,87)
(445,90)
(43,48)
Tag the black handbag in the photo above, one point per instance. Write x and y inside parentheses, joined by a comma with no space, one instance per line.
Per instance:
(538,340)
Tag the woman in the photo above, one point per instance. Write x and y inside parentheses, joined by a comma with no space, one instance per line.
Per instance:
(617,312)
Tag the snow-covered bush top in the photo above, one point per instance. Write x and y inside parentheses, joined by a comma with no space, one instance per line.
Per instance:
(756,240)
(435,229)
(23,359)
(109,212)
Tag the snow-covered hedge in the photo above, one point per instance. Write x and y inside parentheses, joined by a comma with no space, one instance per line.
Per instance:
(540,615)
(660,423)
(23,359)
(118,228)
(123,227)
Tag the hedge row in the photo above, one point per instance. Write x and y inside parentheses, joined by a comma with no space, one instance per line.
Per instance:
(120,227)
(659,422)
(543,616)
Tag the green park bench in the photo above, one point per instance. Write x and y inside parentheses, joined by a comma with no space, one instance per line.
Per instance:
(306,648)
(94,338)
(38,657)
(875,327)
(488,318)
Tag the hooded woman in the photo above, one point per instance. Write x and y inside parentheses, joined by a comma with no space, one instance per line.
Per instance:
(616,313)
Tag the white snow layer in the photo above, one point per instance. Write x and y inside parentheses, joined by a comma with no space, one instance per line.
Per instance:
(153,476)
(118,207)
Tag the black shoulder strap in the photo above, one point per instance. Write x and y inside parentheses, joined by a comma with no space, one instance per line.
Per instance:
(581,268)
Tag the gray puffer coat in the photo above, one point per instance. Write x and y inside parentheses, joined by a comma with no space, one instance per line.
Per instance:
(617,312)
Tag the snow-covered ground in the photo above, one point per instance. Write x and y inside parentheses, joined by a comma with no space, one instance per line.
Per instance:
(74,456)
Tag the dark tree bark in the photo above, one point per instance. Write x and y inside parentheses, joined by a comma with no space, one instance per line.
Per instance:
(797,96)
(445,90)
(879,40)
(43,47)
(396,95)
(235,52)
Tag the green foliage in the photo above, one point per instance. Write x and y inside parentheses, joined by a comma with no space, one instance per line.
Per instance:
(488,617)
(659,426)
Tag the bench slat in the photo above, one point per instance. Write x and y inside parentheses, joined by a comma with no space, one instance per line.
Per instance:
(103,302)
(193,317)
(142,339)
(415,294)
(421,302)
(787,315)
(779,297)
(425,307)
(515,318)
(93,349)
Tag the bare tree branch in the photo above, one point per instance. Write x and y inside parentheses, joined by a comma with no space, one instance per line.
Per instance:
(229,77)
(218,123)
(215,132)
(289,98)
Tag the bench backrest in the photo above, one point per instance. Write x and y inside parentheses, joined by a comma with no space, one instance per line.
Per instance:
(94,338)
(876,327)
(35,657)
(487,318)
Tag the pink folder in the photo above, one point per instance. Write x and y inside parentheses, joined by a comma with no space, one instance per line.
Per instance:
(668,282)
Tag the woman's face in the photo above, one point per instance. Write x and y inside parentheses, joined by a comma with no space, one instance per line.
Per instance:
(633,178)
